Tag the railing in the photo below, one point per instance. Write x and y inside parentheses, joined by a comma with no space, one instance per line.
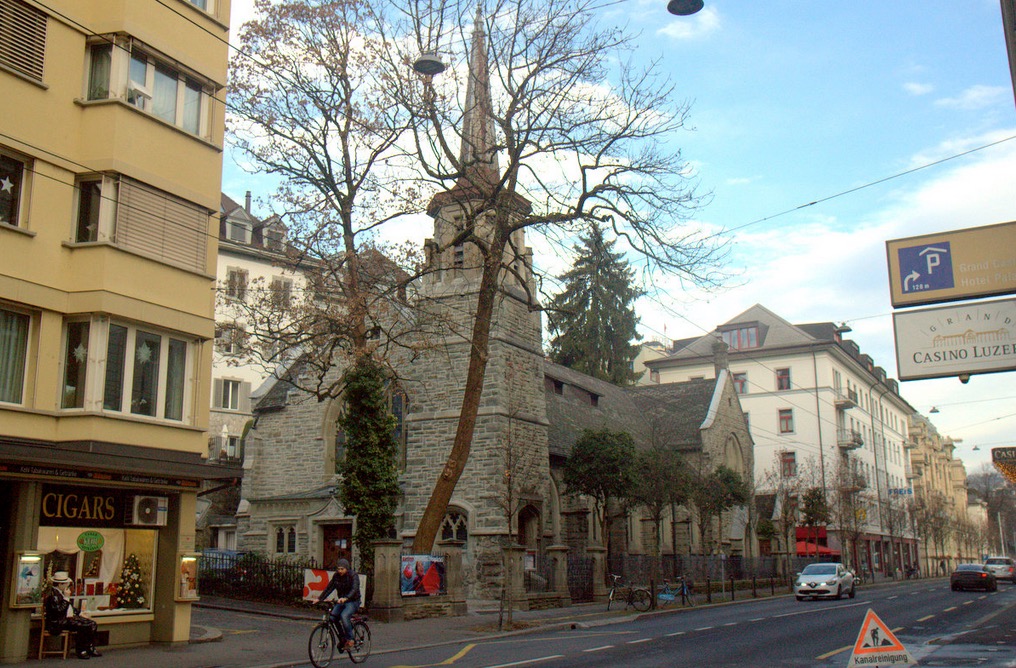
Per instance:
(252,576)
(849,439)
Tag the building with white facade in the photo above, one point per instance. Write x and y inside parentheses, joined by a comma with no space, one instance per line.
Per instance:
(821,414)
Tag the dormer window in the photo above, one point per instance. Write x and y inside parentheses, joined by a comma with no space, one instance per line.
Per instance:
(275,238)
(741,338)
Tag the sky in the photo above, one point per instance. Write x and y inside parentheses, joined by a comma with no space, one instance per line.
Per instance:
(819,131)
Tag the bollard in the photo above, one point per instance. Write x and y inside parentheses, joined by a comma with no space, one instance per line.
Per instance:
(731,587)
(709,590)
(754,590)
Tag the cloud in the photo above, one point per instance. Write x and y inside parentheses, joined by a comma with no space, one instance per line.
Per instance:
(915,88)
(975,97)
(695,26)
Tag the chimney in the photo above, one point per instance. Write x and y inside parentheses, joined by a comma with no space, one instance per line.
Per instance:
(719,356)
(246,202)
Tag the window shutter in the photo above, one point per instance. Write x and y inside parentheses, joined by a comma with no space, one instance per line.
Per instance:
(22,38)
(217,393)
(162,226)
(244,397)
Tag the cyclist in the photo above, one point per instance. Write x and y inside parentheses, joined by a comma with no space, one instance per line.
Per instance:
(346,584)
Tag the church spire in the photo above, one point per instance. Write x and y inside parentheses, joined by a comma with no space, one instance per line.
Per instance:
(478,152)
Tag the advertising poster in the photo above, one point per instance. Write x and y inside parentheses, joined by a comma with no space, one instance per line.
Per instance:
(422,575)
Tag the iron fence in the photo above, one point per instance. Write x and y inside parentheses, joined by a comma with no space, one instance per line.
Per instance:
(580,578)
(252,576)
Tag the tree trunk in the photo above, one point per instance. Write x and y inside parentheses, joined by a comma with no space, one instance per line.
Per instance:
(437,506)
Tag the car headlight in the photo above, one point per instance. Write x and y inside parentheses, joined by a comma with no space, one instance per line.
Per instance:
(831,582)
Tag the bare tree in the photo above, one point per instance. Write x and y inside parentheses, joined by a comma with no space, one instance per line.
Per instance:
(548,136)
(850,506)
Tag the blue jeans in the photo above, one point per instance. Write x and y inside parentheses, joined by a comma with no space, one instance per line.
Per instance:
(342,613)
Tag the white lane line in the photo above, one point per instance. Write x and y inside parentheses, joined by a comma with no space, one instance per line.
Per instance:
(731,624)
(704,628)
(599,649)
(528,661)
(950,609)
(757,619)
(924,619)
(967,602)
(635,642)
(914,593)
(892,597)
(678,633)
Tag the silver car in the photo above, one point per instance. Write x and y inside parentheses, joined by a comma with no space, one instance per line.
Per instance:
(816,580)
(1001,567)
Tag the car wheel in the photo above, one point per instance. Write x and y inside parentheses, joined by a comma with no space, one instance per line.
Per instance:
(994,586)
(839,593)
(799,598)
(853,591)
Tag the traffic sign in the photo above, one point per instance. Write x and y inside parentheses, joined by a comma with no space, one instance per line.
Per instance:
(878,646)
(1004,460)
(949,266)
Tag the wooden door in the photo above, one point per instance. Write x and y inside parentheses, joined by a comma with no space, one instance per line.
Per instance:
(338,543)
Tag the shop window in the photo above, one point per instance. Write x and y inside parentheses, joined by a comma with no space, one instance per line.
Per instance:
(14,328)
(13,173)
(147,83)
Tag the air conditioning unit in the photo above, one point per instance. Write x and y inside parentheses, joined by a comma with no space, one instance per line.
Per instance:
(149,511)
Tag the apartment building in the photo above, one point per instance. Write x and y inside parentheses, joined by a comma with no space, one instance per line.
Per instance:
(822,414)
(110,172)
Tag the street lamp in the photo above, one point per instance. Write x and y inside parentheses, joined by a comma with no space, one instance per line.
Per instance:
(429,64)
(684,7)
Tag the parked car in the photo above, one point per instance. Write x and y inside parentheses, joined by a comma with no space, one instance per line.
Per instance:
(1003,568)
(972,576)
(817,580)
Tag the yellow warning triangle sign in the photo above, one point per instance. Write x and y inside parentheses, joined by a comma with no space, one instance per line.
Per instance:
(878,646)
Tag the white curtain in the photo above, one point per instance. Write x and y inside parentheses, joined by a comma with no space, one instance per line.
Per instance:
(64,539)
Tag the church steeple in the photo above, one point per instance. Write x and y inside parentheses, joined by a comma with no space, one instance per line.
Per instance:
(481,173)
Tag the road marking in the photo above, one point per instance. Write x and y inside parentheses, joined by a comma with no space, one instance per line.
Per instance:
(599,649)
(950,609)
(447,662)
(704,628)
(967,602)
(914,593)
(757,619)
(924,619)
(731,624)
(635,642)
(823,657)
(678,633)
(528,661)
(891,598)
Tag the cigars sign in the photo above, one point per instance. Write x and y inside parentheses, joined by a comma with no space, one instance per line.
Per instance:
(83,506)
(953,340)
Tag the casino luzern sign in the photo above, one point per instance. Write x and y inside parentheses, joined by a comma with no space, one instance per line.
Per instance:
(1004,460)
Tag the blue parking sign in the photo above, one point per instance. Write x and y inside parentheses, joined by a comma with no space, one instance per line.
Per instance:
(926,267)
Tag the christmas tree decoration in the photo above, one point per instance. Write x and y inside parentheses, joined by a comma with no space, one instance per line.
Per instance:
(130,593)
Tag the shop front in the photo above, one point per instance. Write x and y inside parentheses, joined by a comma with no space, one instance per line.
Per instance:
(127,540)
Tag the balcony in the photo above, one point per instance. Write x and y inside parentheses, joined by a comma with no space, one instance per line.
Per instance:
(845,399)
(849,439)
(912,473)
(909,445)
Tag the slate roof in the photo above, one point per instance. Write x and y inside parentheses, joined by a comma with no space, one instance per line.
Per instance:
(670,414)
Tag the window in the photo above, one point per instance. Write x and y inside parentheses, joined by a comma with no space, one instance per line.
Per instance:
(96,208)
(741,383)
(654,375)
(143,372)
(238,231)
(23,38)
(786,421)
(153,86)
(783,379)
(282,292)
(285,539)
(230,397)
(13,355)
(12,177)
(738,339)
(236,283)
(459,256)
(455,526)
(75,365)
(231,339)
(275,239)
(788,464)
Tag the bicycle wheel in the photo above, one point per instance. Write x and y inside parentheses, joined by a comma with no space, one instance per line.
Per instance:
(641,599)
(689,597)
(321,646)
(361,643)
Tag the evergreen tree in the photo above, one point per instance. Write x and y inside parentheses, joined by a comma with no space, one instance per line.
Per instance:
(593,318)
(370,480)
(130,594)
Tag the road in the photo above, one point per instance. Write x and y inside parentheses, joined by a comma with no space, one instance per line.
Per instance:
(770,632)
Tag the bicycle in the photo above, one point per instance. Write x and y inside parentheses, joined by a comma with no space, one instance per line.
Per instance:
(327,637)
(671,592)
(639,598)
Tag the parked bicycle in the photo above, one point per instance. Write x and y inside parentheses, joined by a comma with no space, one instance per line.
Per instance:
(680,590)
(639,598)
(327,638)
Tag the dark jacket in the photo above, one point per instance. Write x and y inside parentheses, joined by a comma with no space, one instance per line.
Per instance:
(345,586)
(56,609)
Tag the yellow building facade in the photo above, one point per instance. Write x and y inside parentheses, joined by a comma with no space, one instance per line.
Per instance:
(110,171)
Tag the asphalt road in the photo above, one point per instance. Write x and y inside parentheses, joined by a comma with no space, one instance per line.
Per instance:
(771,632)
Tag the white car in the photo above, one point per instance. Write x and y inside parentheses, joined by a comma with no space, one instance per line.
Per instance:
(817,580)
(1001,567)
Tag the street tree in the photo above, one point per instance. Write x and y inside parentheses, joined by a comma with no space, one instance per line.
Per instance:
(712,493)
(593,317)
(601,466)
(662,484)
(815,511)
(556,129)
(850,506)
(369,488)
